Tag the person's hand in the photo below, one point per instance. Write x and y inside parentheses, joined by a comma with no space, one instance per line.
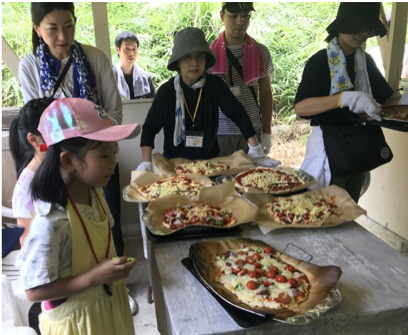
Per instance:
(110,270)
(257,156)
(360,102)
(266,142)
(145,166)
(404,99)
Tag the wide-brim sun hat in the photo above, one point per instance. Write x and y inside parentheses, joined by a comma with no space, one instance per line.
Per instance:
(187,41)
(74,117)
(353,17)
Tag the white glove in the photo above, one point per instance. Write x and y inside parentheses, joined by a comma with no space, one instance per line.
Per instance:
(257,156)
(404,99)
(360,102)
(145,166)
(266,142)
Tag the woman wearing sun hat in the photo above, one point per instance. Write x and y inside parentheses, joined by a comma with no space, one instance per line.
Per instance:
(186,107)
(339,81)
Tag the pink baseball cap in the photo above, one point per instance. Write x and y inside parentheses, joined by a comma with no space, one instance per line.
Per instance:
(74,117)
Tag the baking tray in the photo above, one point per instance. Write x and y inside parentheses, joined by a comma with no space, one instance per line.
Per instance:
(305,176)
(389,124)
(189,232)
(248,319)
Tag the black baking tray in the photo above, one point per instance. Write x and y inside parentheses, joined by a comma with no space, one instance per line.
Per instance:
(389,124)
(241,317)
(200,233)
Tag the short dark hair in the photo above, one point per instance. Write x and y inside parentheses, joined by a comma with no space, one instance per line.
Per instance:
(125,35)
(26,122)
(41,9)
(47,184)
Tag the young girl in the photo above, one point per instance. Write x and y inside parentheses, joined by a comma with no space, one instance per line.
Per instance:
(25,146)
(67,258)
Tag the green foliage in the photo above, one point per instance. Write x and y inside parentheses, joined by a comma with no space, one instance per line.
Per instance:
(292,31)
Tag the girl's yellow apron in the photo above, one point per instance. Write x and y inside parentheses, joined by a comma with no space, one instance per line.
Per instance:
(92,311)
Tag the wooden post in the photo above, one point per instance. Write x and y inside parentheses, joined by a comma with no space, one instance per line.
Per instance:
(393,44)
(9,57)
(100,19)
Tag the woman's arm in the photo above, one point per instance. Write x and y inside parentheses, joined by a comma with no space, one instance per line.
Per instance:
(318,105)
(146,154)
(28,76)
(105,272)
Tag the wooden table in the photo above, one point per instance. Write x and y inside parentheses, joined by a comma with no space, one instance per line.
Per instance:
(374,285)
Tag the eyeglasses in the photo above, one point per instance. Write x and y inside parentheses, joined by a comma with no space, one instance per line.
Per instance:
(128,51)
(234,17)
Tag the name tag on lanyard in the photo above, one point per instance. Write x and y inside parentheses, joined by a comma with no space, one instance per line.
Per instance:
(194,139)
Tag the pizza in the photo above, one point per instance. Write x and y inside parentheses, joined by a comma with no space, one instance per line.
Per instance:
(395,113)
(302,209)
(268,180)
(174,185)
(259,278)
(179,216)
(202,167)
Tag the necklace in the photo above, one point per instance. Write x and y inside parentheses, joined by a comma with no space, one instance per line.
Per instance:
(105,286)
(196,109)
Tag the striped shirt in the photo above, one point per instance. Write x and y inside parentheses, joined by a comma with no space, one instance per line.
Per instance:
(226,126)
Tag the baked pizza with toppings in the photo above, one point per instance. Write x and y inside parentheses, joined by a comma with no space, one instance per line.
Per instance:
(259,278)
(179,216)
(301,209)
(395,113)
(268,180)
(202,167)
(174,185)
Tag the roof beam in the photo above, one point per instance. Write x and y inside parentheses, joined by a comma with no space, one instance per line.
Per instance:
(101,27)
(9,57)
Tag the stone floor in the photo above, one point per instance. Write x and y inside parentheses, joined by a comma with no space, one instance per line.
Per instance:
(137,283)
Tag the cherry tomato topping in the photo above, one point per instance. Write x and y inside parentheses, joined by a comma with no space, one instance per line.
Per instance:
(257,256)
(240,262)
(293,282)
(260,272)
(252,285)
(281,279)
(249,260)
(306,216)
(290,268)
(266,283)
(258,265)
(268,250)
(274,269)
(271,274)
(284,298)
(253,274)
(235,270)
(243,272)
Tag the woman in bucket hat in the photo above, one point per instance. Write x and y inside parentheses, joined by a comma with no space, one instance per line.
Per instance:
(339,81)
(186,107)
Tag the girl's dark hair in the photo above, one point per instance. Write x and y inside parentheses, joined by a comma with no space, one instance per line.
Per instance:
(26,122)
(48,184)
(41,9)
(332,34)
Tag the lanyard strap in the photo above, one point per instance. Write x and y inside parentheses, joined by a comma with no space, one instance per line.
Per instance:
(86,231)
(62,75)
(196,109)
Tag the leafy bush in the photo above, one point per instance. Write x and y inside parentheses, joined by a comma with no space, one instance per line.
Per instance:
(292,31)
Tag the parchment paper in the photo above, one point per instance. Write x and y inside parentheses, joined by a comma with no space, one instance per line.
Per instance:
(308,181)
(144,178)
(237,162)
(346,205)
(321,278)
(223,196)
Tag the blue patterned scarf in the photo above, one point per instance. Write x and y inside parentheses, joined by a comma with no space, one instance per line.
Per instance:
(180,114)
(340,79)
(83,77)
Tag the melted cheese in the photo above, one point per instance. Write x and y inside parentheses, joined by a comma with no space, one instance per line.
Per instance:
(237,283)
(178,185)
(265,179)
(208,167)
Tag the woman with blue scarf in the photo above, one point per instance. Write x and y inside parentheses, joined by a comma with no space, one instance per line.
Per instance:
(338,82)
(61,67)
